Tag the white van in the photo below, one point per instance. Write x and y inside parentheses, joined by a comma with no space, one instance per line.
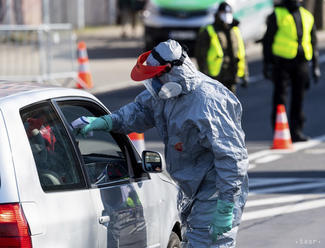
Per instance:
(182,19)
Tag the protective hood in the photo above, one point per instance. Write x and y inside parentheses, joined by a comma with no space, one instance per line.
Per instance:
(186,74)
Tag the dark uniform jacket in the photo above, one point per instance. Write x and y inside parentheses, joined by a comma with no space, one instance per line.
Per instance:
(229,43)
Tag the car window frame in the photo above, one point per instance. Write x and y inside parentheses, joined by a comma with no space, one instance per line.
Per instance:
(84,184)
(131,155)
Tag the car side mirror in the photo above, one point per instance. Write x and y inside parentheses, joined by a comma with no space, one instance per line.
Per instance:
(152,162)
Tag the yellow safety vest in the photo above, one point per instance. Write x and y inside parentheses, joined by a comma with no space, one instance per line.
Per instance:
(285,44)
(215,53)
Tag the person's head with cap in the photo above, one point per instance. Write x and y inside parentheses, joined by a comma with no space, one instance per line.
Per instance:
(167,62)
(158,61)
(224,13)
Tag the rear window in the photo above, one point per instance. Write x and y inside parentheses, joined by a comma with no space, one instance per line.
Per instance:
(56,161)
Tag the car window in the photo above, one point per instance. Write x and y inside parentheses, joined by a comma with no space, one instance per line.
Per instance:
(56,161)
(104,159)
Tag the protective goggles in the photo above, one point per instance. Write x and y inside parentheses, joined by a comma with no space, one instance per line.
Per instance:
(141,72)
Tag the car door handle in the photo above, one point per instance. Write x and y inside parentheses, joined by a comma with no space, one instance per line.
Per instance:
(104,219)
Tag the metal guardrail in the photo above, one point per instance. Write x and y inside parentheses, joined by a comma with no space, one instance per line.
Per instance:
(38,53)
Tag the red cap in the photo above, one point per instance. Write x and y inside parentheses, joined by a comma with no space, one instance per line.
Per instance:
(141,72)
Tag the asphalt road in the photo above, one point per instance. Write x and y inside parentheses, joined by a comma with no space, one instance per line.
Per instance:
(287,202)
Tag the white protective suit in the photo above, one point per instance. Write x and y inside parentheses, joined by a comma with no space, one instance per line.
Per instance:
(210,159)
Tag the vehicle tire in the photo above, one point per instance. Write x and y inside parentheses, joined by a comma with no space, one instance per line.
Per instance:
(174,241)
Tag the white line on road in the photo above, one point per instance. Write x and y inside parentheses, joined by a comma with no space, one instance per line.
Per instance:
(282,199)
(296,147)
(288,188)
(268,158)
(283,210)
(259,182)
(251,166)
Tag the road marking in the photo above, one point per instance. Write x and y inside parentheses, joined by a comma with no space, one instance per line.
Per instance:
(288,188)
(271,212)
(268,158)
(315,151)
(296,147)
(259,182)
(251,166)
(283,199)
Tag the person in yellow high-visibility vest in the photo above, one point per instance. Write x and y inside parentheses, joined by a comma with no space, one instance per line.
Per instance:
(288,45)
(220,50)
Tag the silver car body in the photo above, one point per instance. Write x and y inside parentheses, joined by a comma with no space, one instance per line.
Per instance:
(81,217)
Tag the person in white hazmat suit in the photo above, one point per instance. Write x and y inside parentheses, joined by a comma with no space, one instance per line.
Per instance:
(200,122)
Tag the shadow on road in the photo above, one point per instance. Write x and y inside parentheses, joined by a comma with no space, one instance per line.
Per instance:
(288,174)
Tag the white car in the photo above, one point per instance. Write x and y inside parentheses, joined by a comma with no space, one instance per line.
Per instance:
(60,189)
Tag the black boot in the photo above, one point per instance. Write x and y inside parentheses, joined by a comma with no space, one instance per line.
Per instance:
(298,136)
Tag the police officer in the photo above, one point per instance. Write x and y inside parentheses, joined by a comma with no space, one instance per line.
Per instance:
(220,50)
(288,44)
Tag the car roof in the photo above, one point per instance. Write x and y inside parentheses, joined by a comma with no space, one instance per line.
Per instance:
(27,90)
(12,88)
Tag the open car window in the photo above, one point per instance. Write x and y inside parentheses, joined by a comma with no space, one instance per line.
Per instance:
(106,158)
(57,164)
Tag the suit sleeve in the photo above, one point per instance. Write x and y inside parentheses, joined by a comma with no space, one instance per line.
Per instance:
(221,133)
(136,116)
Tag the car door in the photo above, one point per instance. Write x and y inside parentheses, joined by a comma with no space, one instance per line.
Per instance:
(120,188)
(52,186)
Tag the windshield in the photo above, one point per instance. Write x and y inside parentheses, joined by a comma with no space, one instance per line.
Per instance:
(186,4)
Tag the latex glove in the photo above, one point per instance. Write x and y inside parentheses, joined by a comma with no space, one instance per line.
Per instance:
(79,123)
(222,221)
(267,71)
(98,123)
(316,73)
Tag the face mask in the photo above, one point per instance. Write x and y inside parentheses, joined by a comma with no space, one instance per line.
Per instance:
(226,18)
(162,91)
(170,90)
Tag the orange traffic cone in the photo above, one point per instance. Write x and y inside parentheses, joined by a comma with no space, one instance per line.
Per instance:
(138,141)
(282,137)
(84,76)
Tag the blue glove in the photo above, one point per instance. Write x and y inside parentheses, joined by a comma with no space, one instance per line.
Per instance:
(98,123)
(222,221)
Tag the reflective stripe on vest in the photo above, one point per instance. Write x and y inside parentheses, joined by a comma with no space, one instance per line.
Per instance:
(240,53)
(285,44)
(215,53)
